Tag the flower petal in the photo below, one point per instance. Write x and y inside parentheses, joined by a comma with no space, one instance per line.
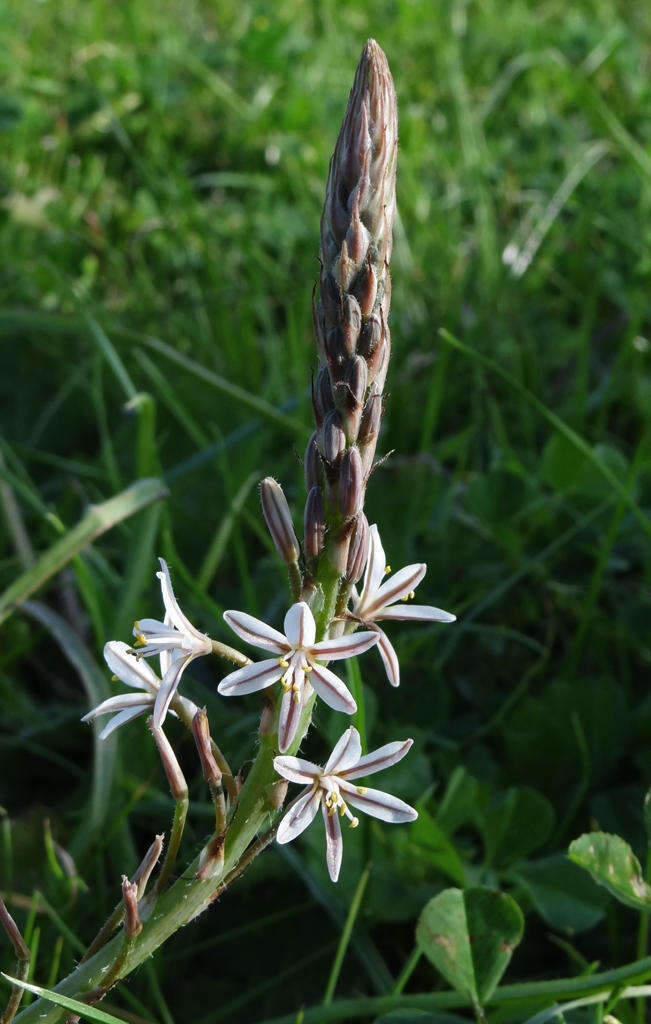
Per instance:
(296,769)
(119,703)
(396,587)
(168,687)
(290,713)
(256,632)
(121,719)
(378,759)
(334,844)
(345,754)
(332,690)
(299,815)
(299,625)
(343,646)
(251,678)
(128,669)
(172,609)
(152,626)
(419,612)
(376,563)
(390,658)
(378,804)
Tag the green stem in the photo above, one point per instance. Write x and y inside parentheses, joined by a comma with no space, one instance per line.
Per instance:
(345,936)
(178,824)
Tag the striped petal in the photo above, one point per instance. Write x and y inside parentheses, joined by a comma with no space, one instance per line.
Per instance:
(296,769)
(298,816)
(376,563)
(343,646)
(332,690)
(419,612)
(120,703)
(396,587)
(299,625)
(390,658)
(345,754)
(377,760)
(256,632)
(130,670)
(378,804)
(168,687)
(288,719)
(121,719)
(251,678)
(172,609)
(334,843)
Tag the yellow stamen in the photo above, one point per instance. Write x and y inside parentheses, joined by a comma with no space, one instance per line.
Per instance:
(387,570)
(332,810)
(296,688)
(297,698)
(307,667)
(354,822)
(412,595)
(342,809)
(361,790)
(114,679)
(284,682)
(283,663)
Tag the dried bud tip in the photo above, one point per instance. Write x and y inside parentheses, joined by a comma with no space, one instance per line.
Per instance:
(279,520)
(132,922)
(201,733)
(147,865)
(175,777)
(6,920)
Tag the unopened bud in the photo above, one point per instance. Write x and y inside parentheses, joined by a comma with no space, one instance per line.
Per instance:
(211,859)
(278,794)
(351,393)
(147,865)
(322,398)
(358,549)
(267,720)
(351,483)
(314,522)
(279,520)
(312,463)
(201,733)
(132,922)
(377,363)
(175,777)
(369,336)
(333,439)
(352,323)
(365,288)
(335,347)
(319,324)
(369,425)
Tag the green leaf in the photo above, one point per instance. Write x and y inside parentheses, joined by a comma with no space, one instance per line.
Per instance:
(515,825)
(564,896)
(97,520)
(441,854)
(612,863)
(87,1012)
(469,936)
(419,1017)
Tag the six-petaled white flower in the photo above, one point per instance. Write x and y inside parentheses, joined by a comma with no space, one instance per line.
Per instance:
(140,677)
(296,664)
(332,789)
(387,600)
(176,641)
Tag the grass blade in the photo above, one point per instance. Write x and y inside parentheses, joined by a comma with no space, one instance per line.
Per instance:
(86,1012)
(346,933)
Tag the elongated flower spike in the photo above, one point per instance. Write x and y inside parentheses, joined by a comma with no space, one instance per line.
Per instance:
(388,600)
(176,640)
(331,788)
(140,677)
(297,664)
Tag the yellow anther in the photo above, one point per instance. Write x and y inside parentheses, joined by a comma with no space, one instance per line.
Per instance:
(405,598)
(332,810)
(296,688)
(283,663)
(307,667)
(361,790)
(284,682)
(114,679)
(297,698)
(354,822)
(412,595)
(342,808)
(387,570)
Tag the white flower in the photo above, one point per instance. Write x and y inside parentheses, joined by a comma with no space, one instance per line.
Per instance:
(176,641)
(379,600)
(126,706)
(297,666)
(332,789)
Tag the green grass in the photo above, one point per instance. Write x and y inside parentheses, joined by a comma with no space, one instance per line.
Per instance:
(163,169)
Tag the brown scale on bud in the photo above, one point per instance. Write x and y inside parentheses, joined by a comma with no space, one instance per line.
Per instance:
(147,864)
(357,549)
(201,732)
(314,524)
(132,922)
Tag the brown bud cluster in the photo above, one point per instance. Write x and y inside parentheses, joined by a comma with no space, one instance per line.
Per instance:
(351,308)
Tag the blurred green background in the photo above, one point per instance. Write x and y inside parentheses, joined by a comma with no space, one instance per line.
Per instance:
(162,170)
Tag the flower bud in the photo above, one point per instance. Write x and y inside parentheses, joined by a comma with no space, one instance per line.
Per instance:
(322,398)
(358,549)
(351,483)
(312,463)
(314,523)
(369,336)
(365,288)
(350,394)
(333,439)
(201,732)
(132,922)
(352,323)
(369,425)
(279,520)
